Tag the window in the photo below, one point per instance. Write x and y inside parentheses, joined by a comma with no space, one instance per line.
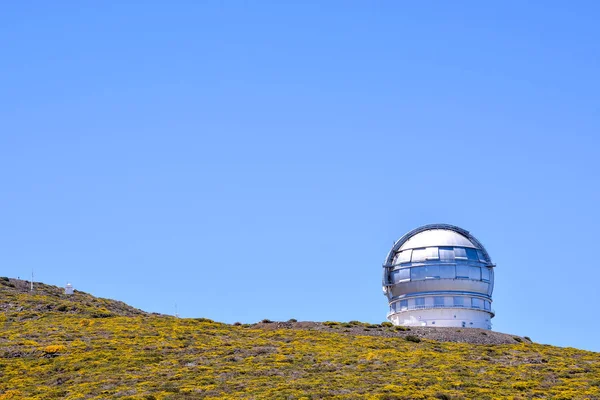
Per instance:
(462,271)
(485,274)
(432,272)
(460,252)
(481,256)
(419,255)
(432,253)
(475,273)
(420,302)
(438,302)
(468,272)
(447,272)
(403,257)
(486,305)
(417,273)
(458,302)
(403,305)
(400,275)
(446,254)
(476,303)
(472,254)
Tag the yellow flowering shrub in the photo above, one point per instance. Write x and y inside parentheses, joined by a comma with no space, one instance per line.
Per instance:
(54,348)
(11,394)
(70,355)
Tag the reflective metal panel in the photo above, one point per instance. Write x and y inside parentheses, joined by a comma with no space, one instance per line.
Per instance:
(403,257)
(439,285)
(446,253)
(419,255)
(460,252)
(437,237)
(485,274)
(472,254)
(400,275)
(447,271)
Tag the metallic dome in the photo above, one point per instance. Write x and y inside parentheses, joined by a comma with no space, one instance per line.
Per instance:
(436,235)
(439,275)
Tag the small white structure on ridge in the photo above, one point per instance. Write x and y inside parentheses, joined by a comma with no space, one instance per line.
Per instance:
(69,289)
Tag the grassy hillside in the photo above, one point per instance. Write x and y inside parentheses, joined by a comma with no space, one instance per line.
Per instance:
(56,347)
(15,295)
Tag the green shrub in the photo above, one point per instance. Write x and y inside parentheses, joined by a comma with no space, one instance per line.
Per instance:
(330,323)
(412,338)
(170,387)
(292,320)
(4,278)
(402,328)
(521,386)
(266,321)
(518,339)
(101,314)
(528,338)
(387,324)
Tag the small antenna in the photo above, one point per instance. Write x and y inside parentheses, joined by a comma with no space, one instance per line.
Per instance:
(176,313)
(32,280)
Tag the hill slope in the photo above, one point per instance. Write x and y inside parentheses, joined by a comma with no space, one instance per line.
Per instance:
(16,296)
(83,352)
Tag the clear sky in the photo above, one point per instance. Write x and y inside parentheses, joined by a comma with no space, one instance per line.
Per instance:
(249,160)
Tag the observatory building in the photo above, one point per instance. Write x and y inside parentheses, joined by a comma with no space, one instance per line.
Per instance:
(439,275)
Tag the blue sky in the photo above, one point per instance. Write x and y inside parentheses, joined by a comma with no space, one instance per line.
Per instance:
(248,161)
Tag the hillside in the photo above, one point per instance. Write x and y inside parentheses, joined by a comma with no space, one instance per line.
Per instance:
(16,296)
(58,347)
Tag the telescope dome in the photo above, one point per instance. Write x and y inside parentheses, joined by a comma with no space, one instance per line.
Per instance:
(439,275)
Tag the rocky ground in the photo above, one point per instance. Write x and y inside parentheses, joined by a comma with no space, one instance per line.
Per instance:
(456,335)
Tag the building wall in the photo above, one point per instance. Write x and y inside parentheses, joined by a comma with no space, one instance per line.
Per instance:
(449,317)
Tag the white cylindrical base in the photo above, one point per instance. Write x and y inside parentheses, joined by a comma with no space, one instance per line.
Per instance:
(443,317)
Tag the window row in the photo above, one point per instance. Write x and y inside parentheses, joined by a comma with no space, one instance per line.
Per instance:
(440,272)
(440,302)
(439,253)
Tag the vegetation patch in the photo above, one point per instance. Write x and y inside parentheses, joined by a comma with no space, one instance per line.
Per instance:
(46,353)
(412,338)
